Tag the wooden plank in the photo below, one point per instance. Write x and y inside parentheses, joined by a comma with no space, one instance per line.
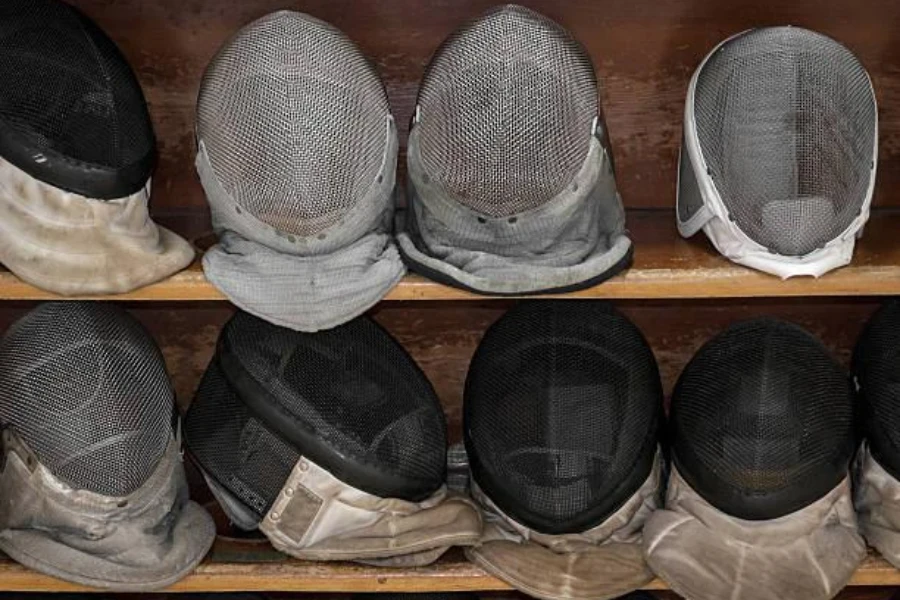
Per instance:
(271,572)
(665,266)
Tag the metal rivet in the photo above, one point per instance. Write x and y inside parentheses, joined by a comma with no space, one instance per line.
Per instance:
(275,516)
(303,466)
(289,492)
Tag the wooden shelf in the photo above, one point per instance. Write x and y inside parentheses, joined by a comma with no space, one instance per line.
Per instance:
(665,266)
(241,567)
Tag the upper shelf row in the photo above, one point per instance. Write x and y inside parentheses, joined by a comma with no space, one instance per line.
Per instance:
(665,266)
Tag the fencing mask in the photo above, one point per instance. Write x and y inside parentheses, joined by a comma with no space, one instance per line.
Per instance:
(877,466)
(296,152)
(76,154)
(92,488)
(333,444)
(758,505)
(779,152)
(511,187)
(563,405)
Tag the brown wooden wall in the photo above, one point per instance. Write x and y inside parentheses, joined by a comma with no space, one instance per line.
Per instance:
(644,51)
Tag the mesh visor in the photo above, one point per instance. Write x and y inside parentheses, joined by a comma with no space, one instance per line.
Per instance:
(295,122)
(234,447)
(875,361)
(72,113)
(762,420)
(561,412)
(86,387)
(350,399)
(786,124)
(505,111)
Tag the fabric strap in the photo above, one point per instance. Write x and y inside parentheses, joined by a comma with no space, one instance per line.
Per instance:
(318,517)
(73,245)
(705,554)
(144,541)
(604,562)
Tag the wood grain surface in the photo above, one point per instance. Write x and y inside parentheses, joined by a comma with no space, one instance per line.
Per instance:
(643,50)
(238,567)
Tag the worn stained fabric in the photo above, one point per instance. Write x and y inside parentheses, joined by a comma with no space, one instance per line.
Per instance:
(577,237)
(705,554)
(606,561)
(305,283)
(144,541)
(69,244)
(318,517)
(877,499)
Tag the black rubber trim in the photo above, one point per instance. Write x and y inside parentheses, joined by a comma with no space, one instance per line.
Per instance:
(266,407)
(441,277)
(65,173)
(616,498)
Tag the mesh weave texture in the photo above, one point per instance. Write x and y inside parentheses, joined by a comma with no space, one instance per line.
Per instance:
(234,447)
(786,121)
(562,408)
(875,367)
(294,119)
(86,387)
(506,108)
(351,388)
(763,420)
(67,88)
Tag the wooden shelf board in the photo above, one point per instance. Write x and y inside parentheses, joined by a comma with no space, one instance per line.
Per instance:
(231,567)
(665,266)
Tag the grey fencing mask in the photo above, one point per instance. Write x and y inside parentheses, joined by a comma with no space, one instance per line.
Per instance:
(76,155)
(758,505)
(296,152)
(779,153)
(563,405)
(92,488)
(511,187)
(877,467)
(333,444)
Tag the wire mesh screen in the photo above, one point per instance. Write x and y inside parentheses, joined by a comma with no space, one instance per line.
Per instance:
(294,120)
(763,410)
(506,108)
(86,387)
(235,448)
(875,362)
(786,121)
(69,89)
(561,413)
(351,388)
